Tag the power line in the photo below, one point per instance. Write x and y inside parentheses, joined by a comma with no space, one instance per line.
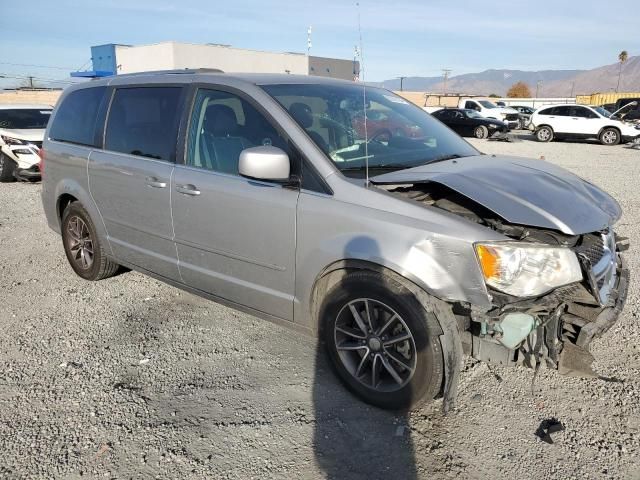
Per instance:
(35,66)
(31,77)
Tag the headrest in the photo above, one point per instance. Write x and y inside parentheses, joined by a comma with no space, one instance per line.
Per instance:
(301,112)
(220,120)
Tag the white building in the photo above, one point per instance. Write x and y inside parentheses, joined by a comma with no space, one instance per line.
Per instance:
(118,59)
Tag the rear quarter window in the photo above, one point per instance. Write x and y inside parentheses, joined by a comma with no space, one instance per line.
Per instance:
(77,117)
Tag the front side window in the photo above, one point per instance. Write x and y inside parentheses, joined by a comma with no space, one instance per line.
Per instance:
(77,117)
(222,125)
(603,112)
(24,118)
(471,105)
(396,135)
(143,121)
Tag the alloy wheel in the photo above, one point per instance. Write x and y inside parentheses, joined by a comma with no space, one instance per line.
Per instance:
(375,345)
(609,137)
(544,134)
(80,243)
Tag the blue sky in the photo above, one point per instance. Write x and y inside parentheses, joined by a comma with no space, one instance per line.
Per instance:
(401,37)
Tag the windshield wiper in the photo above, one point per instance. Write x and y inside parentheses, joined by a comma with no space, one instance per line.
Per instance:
(443,158)
(386,168)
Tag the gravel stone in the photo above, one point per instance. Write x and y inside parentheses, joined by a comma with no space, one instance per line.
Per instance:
(131,378)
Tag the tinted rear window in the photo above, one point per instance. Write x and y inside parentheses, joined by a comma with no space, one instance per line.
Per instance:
(24,118)
(76,118)
(144,121)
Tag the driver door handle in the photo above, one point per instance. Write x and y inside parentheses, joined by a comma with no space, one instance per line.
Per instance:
(188,189)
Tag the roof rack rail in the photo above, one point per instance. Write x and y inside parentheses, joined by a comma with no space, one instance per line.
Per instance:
(184,71)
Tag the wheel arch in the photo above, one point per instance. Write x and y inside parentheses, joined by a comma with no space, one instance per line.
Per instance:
(69,190)
(62,203)
(607,127)
(333,273)
(449,333)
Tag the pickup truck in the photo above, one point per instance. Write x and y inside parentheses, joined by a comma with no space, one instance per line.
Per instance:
(490,110)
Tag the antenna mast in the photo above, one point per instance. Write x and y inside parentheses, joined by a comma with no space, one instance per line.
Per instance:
(364,102)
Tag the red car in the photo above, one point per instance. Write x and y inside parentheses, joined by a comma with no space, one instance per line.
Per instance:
(385,124)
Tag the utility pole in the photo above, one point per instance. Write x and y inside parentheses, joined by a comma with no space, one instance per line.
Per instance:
(401,80)
(573,86)
(538,83)
(309,40)
(30,82)
(445,74)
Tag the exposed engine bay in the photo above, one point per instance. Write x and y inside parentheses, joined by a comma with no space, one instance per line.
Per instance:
(554,329)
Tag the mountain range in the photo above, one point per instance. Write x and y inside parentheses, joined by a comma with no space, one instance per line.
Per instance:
(553,83)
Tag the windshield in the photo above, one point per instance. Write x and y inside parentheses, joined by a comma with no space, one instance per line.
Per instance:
(473,114)
(24,118)
(602,111)
(487,104)
(394,133)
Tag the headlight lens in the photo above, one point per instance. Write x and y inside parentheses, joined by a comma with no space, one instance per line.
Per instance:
(493,125)
(11,140)
(527,270)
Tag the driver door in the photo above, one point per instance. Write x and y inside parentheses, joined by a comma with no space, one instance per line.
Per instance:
(235,237)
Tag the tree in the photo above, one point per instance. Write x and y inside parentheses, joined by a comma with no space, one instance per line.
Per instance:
(519,90)
(622,57)
(494,95)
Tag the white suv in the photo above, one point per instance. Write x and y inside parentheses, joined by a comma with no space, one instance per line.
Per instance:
(21,134)
(581,121)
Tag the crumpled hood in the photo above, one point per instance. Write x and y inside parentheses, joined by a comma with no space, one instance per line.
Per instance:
(520,190)
(28,134)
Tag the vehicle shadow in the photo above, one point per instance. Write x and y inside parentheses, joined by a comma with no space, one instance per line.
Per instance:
(354,440)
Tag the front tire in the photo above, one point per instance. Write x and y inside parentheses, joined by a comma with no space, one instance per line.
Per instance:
(544,134)
(7,168)
(381,341)
(609,137)
(481,132)
(82,246)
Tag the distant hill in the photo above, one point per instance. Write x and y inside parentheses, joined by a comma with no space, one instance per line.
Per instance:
(555,83)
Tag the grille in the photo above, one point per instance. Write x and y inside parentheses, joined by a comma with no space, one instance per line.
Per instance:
(600,249)
(37,144)
(512,116)
(592,247)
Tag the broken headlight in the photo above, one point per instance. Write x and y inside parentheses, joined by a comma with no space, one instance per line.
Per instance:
(12,141)
(527,270)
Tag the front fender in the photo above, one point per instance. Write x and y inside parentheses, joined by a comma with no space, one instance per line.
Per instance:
(443,264)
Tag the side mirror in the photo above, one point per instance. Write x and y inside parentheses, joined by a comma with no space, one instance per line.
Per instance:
(264,163)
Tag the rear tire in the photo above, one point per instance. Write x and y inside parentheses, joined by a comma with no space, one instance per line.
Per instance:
(394,335)
(544,134)
(82,246)
(7,168)
(481,132)
(609,137)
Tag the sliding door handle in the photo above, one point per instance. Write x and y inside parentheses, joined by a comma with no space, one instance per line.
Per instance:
(155,183)
(188,189)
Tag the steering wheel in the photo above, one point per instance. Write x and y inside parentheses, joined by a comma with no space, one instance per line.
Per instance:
(385,132)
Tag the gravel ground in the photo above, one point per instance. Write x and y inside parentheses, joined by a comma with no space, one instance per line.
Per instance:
(130,378)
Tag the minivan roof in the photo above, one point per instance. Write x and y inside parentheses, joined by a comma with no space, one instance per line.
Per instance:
(188,75)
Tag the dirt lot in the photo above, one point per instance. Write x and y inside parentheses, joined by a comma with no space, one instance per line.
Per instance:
(129,378)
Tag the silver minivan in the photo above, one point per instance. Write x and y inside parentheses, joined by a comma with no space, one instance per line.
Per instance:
(340,210)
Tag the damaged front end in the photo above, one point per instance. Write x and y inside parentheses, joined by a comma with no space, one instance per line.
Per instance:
(553,328)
